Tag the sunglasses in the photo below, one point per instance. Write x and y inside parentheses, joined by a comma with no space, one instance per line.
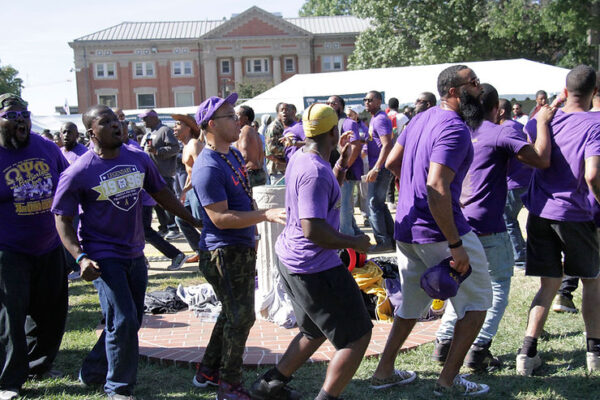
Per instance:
(10,115)
(228,116)
(365,100)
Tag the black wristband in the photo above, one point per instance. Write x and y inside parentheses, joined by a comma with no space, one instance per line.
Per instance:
(455,245)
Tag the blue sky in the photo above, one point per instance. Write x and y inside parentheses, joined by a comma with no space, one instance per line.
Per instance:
(36,35)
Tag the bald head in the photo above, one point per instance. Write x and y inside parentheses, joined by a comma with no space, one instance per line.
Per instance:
(70,134)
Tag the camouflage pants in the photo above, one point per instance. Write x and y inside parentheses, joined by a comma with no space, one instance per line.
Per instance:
(230,270)
(257,177)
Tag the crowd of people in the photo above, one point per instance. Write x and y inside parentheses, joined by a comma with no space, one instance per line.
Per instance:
(463,168)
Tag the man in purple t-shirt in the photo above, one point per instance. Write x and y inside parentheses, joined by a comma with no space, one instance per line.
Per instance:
(379,145)
(355,170)
(227,244)
(104,186)
(431,158)
(72,149)
(560,221)
(483,199)
(33,293)
(326,300)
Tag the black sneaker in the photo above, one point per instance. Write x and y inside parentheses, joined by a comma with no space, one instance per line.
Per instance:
(273,390)
(440,350)
(205,377)
(481,359)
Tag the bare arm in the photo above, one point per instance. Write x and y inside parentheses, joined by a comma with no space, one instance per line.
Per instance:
(386,147)
(167,199)
(64,226)
(244,142)
(538,155)
(394,160)
(224,218)
(592,175)
(323,235)
(439,199)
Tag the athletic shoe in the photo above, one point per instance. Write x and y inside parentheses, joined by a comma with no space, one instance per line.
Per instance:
(205,377)
(461,387)
(120,397)
(193,259)
(563,304)
(592,361)
(480,358)
(177,262)
(9,394)
(172,235)
(381,248)
(526,365)
(398,378)
(273,390)
(231,392)
(440,350)
(75,275)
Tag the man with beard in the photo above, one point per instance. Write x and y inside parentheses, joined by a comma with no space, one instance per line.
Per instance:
(274,146)
(379,145)
(436,152)
(482,200)
(251,147)
(518,114)
(72,150)
(560,221)
(106,185)
(33,289)
(424,102)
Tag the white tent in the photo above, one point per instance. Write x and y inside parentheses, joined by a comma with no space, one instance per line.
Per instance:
(518,79)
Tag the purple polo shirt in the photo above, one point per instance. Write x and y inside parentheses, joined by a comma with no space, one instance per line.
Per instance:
(311,191)
(380,125)
(519,174)
(484,188)
(439,136)
(560,192)
(73,154)
(106,194)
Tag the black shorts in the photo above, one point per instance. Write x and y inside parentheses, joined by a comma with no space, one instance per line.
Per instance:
(547,240)
(329,304)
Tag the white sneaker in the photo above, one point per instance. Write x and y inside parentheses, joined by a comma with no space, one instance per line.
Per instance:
(8,394)
(172,235)
(526,365)
(462,387)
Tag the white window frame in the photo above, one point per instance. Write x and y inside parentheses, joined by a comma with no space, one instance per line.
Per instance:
(285,69)
(137,99)
(183,92)
(221,69)
(331,60)
(145,68)
(108,95)
(105,70)
(181,65)
(251,66)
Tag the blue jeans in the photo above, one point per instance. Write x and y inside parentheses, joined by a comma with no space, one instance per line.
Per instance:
(114,359)
(152,237)
(514,204)
(499,256)
(189,232)
(379,215)
(347,223)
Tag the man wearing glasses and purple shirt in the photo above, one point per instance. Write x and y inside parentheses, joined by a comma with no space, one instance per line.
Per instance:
(379,145)
(33,275)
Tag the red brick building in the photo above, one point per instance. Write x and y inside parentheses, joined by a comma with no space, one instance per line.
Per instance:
(174,64)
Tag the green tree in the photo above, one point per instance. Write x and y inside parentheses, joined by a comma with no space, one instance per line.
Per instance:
(250,89)
(9,82)
(326,7)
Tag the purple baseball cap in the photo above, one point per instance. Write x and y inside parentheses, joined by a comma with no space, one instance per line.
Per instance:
(442,281)
(207,108)
(148,113)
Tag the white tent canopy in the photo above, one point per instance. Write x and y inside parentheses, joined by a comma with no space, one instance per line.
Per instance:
(518,79)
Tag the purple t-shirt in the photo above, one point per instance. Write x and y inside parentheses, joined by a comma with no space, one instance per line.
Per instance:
(214,181)
(560,192)
(295,132)
(29,179)
(356,169)
(519,174)
(380,125)
(438,136)
(75,153)
(484,188)
(107,193)
(311,191)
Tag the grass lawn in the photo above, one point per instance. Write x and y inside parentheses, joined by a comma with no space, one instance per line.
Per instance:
(563,375)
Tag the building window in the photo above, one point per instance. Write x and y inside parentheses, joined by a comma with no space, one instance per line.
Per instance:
(184,99)
(182,68)
(289,65)
(257,66)
(143,69)
(332,63)
(145,100)
(109,100)
(106,70)
(225,67)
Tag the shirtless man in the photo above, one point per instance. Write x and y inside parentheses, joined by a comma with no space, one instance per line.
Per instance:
(251,146)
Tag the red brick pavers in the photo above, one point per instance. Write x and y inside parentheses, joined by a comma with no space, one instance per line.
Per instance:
(181,339)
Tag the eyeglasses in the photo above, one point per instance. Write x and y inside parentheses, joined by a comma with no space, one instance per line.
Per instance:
(365,100)
(473,82)
(228,116)
(10,115)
